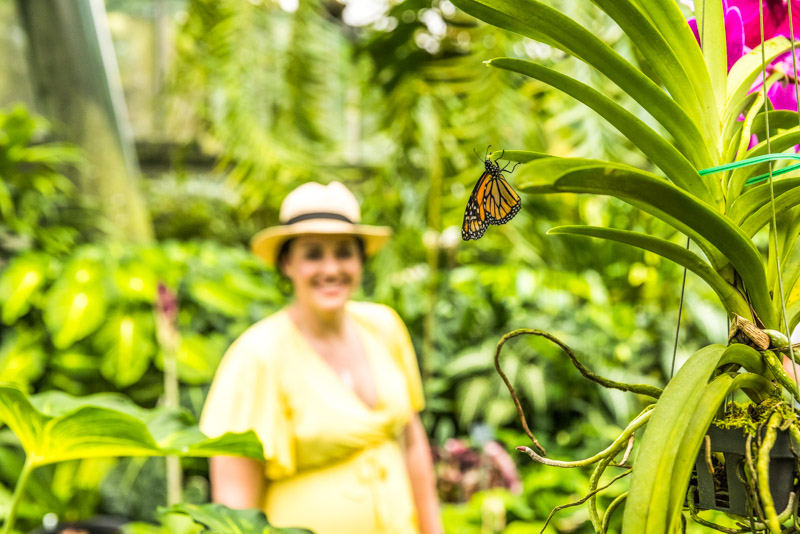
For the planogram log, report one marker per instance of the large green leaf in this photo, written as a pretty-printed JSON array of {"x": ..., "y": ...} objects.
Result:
[
  {"x": 675, "y": 432},
  {"x": 730, "y": 297},
  {"x": 661, "y": 57},
  {"x": 745, "y": 71},
  {"x": 667, "y": 17},
  {"x": 711, "y": 26},
  {"x": 647, "y": 504},
  {"x": 757, "y": 197},
  {"x": 76, "y": 304},
  {"x": 89, "y": 428},
  {"x": 197, "y": 357},
  {"x": 223, "y": 520},
  {"x": 20, "y": 282},
  {"x": 536, "y": 20},
  {"x": 777, "y": 143},
  {"x": 763, "y": 215},
  {"x": 22, "y": 356},
  {"x": 127, "y": 343},
  {"x": 704, "y": 412},
  {"x": 658, "y": 197},
  {"x": 662, "y": 153}
]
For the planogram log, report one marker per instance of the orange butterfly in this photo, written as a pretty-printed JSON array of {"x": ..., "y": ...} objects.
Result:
[{"x": 493, "y": 201}]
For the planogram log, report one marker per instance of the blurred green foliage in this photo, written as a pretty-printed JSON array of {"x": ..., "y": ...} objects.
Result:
[{"x": 395, "y": 113}]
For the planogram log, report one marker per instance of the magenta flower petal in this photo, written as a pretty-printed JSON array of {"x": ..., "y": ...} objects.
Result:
[
  {"x": 783, "y": 25},
  {"x": 734, "y": 35},
  {"x": 693, "y": 25},
  {"x": 775, "y": 13},
  {"x": 782, "y": 95}
]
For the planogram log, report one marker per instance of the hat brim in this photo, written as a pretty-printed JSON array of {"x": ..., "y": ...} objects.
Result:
[{"x": 266, "y": 243}]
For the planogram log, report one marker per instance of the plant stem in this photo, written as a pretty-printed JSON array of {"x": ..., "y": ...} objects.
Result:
[{"x": 22, "y": 481}]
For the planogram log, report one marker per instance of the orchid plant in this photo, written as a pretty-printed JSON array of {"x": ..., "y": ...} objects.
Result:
[{"x": 719, "y": 115}]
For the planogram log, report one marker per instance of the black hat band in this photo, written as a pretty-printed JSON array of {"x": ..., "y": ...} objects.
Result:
[{"x": 317, "y": 215}]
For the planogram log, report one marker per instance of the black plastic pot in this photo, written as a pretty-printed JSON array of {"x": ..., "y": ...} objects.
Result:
[
  {"x": 97, "y": 525},
  {"x": 729, "y": 494}
]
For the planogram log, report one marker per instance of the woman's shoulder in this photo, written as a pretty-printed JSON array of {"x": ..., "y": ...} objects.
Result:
[
  {"x": 262, "y": 337},
  {"x": 377, "y": 316}
]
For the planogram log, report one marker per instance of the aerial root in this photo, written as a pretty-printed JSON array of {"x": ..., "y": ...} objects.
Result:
[{"x": 642, "y": 389}]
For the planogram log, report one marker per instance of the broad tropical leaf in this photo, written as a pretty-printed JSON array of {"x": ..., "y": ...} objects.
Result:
[
  {"x": 67, "y": 428},
  {"x": 223, "y": 520}
]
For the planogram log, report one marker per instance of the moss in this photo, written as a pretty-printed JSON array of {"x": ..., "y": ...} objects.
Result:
[{"x": 749, "y": 417}]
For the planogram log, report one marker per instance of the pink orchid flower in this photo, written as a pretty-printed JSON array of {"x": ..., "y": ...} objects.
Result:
[{"x": 734, "y": 32}]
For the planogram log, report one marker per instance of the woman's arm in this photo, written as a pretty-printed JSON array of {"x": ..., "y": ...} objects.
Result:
[
  {"x": 420, "y": 470},
  {"x": 236, "y": 482}
]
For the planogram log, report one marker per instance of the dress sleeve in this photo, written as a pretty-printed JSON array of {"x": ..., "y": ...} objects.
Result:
[
  {"x": 406, "y": 358},
  {"x": 246, "y": 395}
]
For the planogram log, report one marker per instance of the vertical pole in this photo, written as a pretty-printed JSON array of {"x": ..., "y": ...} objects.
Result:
[
  {"x": 78, "y": 88},
  {"x": 432, "y": 244}
]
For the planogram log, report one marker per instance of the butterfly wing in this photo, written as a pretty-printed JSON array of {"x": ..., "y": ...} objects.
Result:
[
  {"x": 501, "y": 202},
  {"x": 475, "y": 222}
]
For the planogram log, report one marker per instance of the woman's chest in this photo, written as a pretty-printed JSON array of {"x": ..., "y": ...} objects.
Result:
[{"x": 325, "y": 408}]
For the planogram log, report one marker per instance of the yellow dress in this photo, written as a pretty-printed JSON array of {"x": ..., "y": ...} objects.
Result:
[{"x": 333, "y": 464}]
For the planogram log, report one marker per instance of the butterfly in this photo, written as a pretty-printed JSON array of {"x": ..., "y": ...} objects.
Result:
[{"x": 493, "y": 201}]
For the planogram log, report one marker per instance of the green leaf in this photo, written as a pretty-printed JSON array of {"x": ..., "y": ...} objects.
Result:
[
  {"x": 703, "y": 413},
  {"x": 745, "y": 71},
  {"x": 471, "y": 396},
  {"x": 667, "y": 17},
  {"x": 662, "y": 153},
  {"x": 136, "y": 281},
  {"x": 763, "y": 215},
  {"x": 127, "y": 344},
  {"x": 755, "y": 198},
  {"x": 88, "y": 428},
  {"x": 711, "y": 26},
  {"x": 779, "y": 119},
  {"x": 661, "y": 57},
  {"x": 729, "y": 296},
  {"x": 20, "y": 283},
  {"x": 648, "y": 501},
  {"x": 777, "y": 143},
  {"x": 197, "y": 357},
  {"x": 217, "y": 296},
  {"x": 543, "y": 23},
  {"x": 521, "y": 156},
  {"x": 22, "y": 357},
  {"x": 76, "y": 304},
  {"x": 223, "y": 520},
  {"x": 662, "y": 199}
]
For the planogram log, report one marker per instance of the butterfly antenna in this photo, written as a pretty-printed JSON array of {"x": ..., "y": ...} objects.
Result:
[
  {"x": 487, "y": 152},
  {"x": 478, "y": 155}
]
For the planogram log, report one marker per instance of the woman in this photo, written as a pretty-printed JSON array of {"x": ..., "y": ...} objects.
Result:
[{"x": 330, "y": 386}]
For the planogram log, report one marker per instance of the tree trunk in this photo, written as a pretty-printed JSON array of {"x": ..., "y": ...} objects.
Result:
[{"x": 77, "y": 86}]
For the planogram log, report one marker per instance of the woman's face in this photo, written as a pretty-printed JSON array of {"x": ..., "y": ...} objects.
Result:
[{"x": 325, "y": 270}]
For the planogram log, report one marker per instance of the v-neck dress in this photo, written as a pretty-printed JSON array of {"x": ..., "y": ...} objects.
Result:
[{"x": 334, "y": 465}]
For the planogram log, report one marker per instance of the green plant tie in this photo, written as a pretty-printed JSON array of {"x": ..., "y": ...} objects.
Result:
[{"x": 755, "y": 161}]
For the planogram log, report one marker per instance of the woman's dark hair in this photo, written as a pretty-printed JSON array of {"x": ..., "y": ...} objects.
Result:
[{"x": 284, "y": 250}]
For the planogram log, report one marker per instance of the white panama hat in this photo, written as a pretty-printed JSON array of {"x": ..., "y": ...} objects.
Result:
[{"x": 314, "y": 208}]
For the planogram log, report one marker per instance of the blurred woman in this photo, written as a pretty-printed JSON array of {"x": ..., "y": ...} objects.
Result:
[{"x": 331, "y": 387}]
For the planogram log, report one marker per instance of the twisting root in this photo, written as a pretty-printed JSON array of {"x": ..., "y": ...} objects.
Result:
[
  {"x": 611, "y": 509},
  {"x": 693, "y": 512},
  {"x": 772, "y": 522},
  {"x": 610, "y": 451},
  {"x": 783, "y": 516},
  {"x": 752, "y": 482},
  {"x": 591, "y": 494},
  {"x": 594, "y": 480},
  {"x": 709, "y": 463},
  {"x": 628, "y": 449},
  {"x": 642, "y": 389}
]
